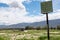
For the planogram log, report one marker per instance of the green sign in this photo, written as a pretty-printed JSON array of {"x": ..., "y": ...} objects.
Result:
[{"x": 46, "y": 7}]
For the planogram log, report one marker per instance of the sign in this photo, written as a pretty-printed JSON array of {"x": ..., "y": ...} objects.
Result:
[{"x": 46, "y": 7}]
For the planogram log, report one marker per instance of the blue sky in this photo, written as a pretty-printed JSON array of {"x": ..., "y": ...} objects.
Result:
[
  {"x": 18, "y": 11},
  {"x": 56, "y": 4},
  {"x": 34, "y": 7},
  {"x": 3, "y": 5}
]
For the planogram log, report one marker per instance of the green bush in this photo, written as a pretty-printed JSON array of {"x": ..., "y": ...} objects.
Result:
[
  {"x": 51, "y": 38},
  {"x": 4, "y": 38},
  {"x": 1, "y": 38},
  {"x": 24, "y": 39},
  {"x": 42, "y": 38}
]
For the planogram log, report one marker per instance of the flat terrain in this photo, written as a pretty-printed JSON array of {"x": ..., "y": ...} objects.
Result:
[{"x": 29, "y": 35}]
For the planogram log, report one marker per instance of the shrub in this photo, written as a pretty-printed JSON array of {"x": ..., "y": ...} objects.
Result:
[{"x": 42, "y": 38}]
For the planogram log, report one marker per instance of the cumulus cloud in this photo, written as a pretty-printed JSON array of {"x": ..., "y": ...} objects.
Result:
[
  {"x": 28, "y": 1},
  {"x": 55, "y": 15},
  {"x": 45, "y": 0},
  {"x": 10, "y": 1},
  {"x": 14, "y": 13},
  {"x": 17, "y": 14}
]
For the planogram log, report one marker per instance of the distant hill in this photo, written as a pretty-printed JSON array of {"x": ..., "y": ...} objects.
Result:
[{"x": 52, "y": 23}]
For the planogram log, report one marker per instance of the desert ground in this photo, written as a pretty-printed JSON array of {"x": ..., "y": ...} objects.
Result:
[{"x": 29, "y": 35}]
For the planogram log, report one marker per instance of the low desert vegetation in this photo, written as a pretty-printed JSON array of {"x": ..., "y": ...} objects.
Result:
[{"x": 29, "y": 35}]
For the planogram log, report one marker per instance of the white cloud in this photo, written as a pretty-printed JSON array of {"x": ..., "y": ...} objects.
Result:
[
  {"x": 14, "y": 15},
  {"x": 45, "y": 0},
  {"x": 9, "y": 1},
  {"x": 28, "y": 1},
  {"x": 52, "y": 16},
  {"x": 55, "y": 15}
]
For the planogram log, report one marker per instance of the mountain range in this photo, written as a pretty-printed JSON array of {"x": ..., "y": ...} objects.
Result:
[{"x": 52, "y": 23}]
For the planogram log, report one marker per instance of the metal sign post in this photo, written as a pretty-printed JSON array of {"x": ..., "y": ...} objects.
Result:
[
  {"x": 48, "y": 35},
  {"x": 46, "y": 7}
]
